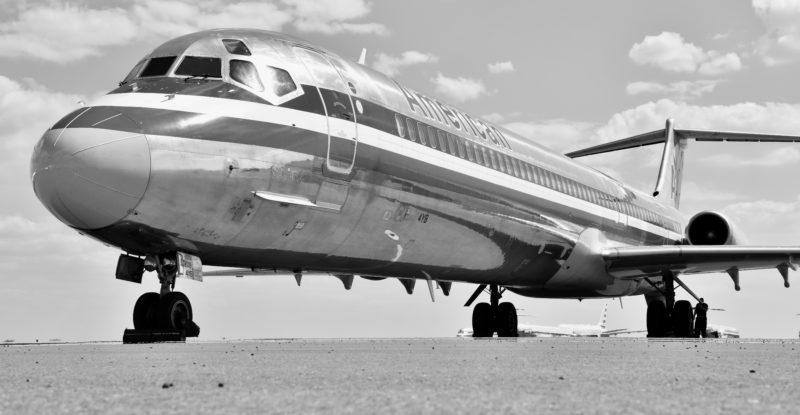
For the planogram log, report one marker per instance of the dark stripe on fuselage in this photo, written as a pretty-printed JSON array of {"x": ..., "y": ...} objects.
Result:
[
  {"x": 279, "y": 136},
  {"x": 386, "y": 120}
]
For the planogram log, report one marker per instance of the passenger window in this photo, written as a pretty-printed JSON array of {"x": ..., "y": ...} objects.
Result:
[
  {"x": 493, "y": 158},
  {"x": 135, "y": 71},
  {"x": 486, "y": 160},
  {"x": 245, "y": 73},
  {"x": 470, "y": 154},
  {"x": 236, "y": 47},
  {"x": 280, "y": 82},
  {"x": 460, "y": 144},
  {"x": 421, "y": 129},
  {"x": 158, "y": 66},
  {"x": 517, "y": 172},
  {"x": 401, "y": 126},
  {"x": 432, "y": 132},
  {"x": 206, "y": 67},
  {"x": 442, "y": 141},
  {"x": 412, "y": 131}
]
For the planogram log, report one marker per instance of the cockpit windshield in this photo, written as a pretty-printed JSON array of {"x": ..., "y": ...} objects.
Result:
[
  {"x": 207, "y": 67},
  {"x": 158, "y": 66}
]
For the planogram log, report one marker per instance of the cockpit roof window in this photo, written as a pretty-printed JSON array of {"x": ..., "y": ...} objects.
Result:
[
  {"x": 236, "y": 47},
  {"x": 245, "y": 73},
  {"x": 279, "y": 81},
  {"x": 158, "y": 66},
  {"x": 200, "y": 66}
]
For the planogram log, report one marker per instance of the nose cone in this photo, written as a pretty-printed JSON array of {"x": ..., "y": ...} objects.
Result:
[{"x": 91, "y": 177}]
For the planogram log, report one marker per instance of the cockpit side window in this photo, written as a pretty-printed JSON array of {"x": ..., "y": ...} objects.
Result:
[
  {"x": 158, "y": 66},
  {"x": 279, "y": 81},
  {"x": 200, "y": 66},
  {"x": 245, "y": 73},
  {"x": 135, "y": 71},
  {"x": 236, "y": 47}
]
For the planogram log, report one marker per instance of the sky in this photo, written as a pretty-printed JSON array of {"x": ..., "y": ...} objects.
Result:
[{"x": 565, "y": 74}]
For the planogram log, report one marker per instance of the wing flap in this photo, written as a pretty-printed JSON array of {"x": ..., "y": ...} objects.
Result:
[{"x": 640, "y": 262}]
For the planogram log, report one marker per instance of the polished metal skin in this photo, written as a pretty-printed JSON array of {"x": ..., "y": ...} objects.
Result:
[{"x": 320, "y": 179}]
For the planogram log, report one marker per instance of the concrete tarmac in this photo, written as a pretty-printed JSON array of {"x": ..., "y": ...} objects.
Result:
[{"x": 530, "y": 375}]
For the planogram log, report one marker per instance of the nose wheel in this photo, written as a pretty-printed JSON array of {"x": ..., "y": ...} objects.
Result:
[
  {"x": 171, "y": 312},
  {"x": 494, "y": 317},
  {"x": 166, "y": 314}
]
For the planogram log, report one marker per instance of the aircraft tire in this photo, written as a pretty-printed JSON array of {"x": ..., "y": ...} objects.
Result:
[
  {"x": 505, "y": 320},
  {"x": 682, "y": 319},
  {"x": 656, "y": 319},
  {"x": 175, "y": 312},
  {"x": 145, "y": 311},
  {"x": 482, "y": 320}
]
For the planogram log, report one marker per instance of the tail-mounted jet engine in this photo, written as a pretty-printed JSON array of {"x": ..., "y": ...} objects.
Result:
[{"x": 712, "y": 228}]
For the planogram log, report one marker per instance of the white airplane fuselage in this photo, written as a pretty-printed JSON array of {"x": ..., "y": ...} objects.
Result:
[{"x": 336, "y": 168}]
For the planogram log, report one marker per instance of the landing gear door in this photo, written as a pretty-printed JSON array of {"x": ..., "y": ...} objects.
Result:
[{"x": 341, "y": 116}]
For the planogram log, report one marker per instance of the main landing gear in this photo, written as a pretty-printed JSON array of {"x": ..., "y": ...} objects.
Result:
[
  {"x": 493, "y": 317},
  {"x": 667, "y": 317},
  {"x": 166, "y": 311}
]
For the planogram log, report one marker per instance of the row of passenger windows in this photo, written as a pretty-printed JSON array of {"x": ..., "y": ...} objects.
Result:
[
  {"x": 277, "y": 80},
  {"x": 455, "y": 145}
]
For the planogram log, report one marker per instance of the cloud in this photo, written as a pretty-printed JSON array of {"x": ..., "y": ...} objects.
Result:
[
  {"x": 497, "y": 117},
  {"x": 682, "y": 90},
  {"x": 332, "y": 16},
  {"x": 718, "y": 63},
  {"x": 670, "y": 52},
  {"x": 775, "y": 118},
  {"x": 391, "y": 65},
  {"x": 693, "y": 192},
  {"x": 65, "y": 32},
  {"x": 784, "y": 156},
  {"x": 501, "y": 67},
  {"x": 781, "y": 43},
  {"x": 557, "y": 134},
  {"x": 26, "y": 110},
  {"x": 458, "y": 89},
  {"x": 768, "y": 222}
]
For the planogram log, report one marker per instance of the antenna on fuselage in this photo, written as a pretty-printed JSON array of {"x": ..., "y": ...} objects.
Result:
[{"x": 363, "y": 58}]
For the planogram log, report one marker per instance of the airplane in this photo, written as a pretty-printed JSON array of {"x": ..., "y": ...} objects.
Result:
[
  {"x": 564, "y": 330},
  {"x": 262, "y": 153},
  {"x": 718, "y": 331}
]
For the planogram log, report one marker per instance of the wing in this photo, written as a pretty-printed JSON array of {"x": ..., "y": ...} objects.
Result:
[{"x": 642, "y": 262}]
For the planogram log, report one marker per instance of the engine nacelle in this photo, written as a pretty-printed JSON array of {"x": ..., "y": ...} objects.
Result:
[{"x": 712, "y": 228}]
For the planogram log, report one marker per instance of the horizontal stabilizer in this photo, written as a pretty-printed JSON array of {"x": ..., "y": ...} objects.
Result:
[
  {"x": 670, "y": 173},
  {"x": 659, "y": 136}
]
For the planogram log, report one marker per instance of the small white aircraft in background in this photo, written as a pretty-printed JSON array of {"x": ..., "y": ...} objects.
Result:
[
  {"x": 565, "y": 330},
  {"x": 721, "y": 332}
]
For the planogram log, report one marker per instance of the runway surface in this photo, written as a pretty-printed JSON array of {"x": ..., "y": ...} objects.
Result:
[{"x": 528, "y": 375}]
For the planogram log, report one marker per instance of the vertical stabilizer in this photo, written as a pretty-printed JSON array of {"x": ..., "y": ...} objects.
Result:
[
  {"x": 671, "y": 172},
  {"x": 603, "y": 317}
]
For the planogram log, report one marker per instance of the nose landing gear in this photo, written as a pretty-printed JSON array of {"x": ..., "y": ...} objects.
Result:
[{"x": 164, "y": 316}]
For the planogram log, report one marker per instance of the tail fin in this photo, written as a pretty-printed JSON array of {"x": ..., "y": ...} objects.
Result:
[
  {"x": 603, "y": 317},
  {"x": 671, "y": 170},
  {"x": 671, "y": 166}
]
